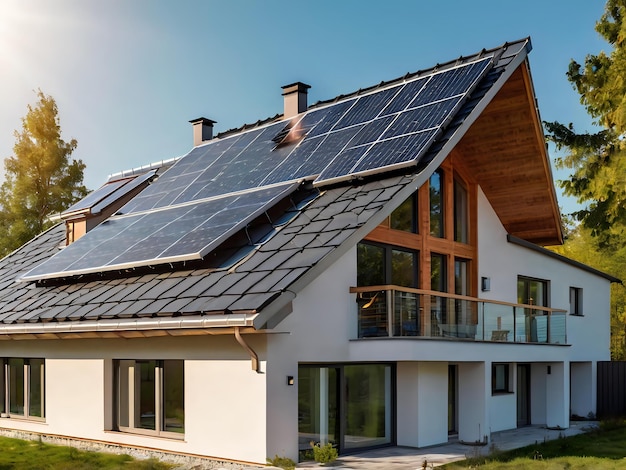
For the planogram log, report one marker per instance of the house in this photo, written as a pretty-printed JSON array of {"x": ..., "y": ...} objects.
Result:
[{"x": 366, "y": 271}]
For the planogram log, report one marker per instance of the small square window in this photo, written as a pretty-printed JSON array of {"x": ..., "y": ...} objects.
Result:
[
  {"x": 500, "y": 378},
  {"x": 575, "y": 301}
]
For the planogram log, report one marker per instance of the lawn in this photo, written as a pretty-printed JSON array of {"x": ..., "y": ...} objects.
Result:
[
  {"x": 33, "y": 455},
  {"x": 601, "y": 449}
]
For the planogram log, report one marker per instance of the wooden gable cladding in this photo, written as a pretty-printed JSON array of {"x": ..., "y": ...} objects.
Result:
[{"x": 505, "y": 152}]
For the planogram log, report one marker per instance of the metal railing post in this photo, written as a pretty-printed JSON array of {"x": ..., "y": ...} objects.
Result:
[{"x": 390, "y": 311}]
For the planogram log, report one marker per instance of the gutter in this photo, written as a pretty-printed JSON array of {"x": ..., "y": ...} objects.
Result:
[
  {"x": 254, "y": 357},
  {"x": 137, "y": 324}
]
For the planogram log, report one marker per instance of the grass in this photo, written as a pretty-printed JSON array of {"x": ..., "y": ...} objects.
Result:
[
  {"x": 34, "y": 455},
  {"x": 604, "y": 448}
]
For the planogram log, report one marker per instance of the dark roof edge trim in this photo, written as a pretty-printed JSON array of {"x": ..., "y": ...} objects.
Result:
[{"x": 551, "y": 254}]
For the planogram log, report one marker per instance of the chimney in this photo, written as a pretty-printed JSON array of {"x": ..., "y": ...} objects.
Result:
[
  {"x": 295, "y": 99},
  {"x": 202, "y": 130}
]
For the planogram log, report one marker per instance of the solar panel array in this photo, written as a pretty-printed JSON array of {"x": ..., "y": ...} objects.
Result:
[
  {"x": 372, "y": 132},
  {"x": 191, "y": 208},
  {"x": 167, "y": 235}
]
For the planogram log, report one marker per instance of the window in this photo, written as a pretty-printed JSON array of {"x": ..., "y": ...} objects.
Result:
[
  {"x": 150, "y": 397},
  {"x": 461, "y": 211},
  {"x": 379, "y": 265},
  {"x": 385, "y": 264},
  {"x": 23, "y": 382},
  {"x": 405, "y": 217},
  {"x": 575, "y": 301},
  {"x": 436, "y": 200},
  {"x": 438, "y": 272},
  {"x": 500, "y": 378},
  {"x": 461, "y": 277},
  {"x": 532, "y": 291}
]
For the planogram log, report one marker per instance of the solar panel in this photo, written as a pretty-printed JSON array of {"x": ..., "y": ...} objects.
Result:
[
  {"x": 167, "y": 235},
  {"x": 405, "y": 138},
  {"x": 109, "y": 193},
  {"x": 366, "y": 108},
  {"x": 123, "y": 191},
  {"x": 96, "y": 196}
]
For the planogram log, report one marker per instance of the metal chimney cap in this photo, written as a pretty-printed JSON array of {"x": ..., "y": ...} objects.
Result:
[
  {"x": 203, "y": 120},
  {"x": 295, "y": 87}
]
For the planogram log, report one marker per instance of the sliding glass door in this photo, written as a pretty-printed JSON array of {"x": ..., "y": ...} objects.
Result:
[
  {"x": 350, "y": 406},
  {"x": 317, "y": 406}
]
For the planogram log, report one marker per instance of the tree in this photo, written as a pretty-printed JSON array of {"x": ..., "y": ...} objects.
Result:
[
  {"x": 598, "y": 160},
  {"x": 41, "y": 177}
]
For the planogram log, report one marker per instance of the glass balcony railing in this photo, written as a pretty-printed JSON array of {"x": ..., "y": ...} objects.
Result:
[{"x": 392, "y": 311}]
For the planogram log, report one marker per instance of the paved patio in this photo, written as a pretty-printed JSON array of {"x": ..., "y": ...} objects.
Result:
[{"x": 408, "y": 458}]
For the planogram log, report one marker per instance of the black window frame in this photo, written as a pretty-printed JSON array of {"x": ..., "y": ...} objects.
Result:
[
  {"x": 388, "y": 250},
  {"x": 576, "y": 301},
  {"x": 503, "y": 370}
]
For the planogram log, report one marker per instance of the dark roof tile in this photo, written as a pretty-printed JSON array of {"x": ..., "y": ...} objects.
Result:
[
  {"x": 217, "y": 304},
  {"x": 252, "y": 301},
  {"x": 175, "y": 306},
  {"x": 290, "y": 278}
]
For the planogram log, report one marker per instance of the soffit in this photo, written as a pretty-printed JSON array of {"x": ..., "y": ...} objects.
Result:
[{"x": 505, "y": 151}]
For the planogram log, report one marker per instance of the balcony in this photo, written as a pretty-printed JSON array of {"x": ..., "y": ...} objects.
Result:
[{"x": 392, "y": 311}]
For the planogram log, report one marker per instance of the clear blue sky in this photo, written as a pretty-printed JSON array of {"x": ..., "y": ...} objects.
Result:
[{"x": 128, "y": 75}]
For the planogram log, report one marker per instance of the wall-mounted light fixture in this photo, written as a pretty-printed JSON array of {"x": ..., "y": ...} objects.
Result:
[
  {"x": 485, "y": 284},
  {"x": 290, "y": 380}
]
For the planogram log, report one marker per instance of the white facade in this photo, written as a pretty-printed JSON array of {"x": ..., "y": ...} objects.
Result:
[{"x": 233, "y": 412}]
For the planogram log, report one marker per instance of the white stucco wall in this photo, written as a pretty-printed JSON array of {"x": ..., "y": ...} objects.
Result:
[
  {"x": 583, "y": 377},
  {"x": 473, "y": 390},
  {"x": 502, "y": 262},
  {"x": 432, "y": 403},
  {"x": 224, "y": 398},
  {"x": 502, "y": 411}
]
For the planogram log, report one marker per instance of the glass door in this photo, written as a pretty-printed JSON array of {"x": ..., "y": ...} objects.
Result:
[
  {"x": 452, "y": 399},
  {"x": 367, "y": 405},
  {"x": 349, "y": 406},
  {"x": 534, "y": 327},
  {"x": 318, "y": 406},
  {"x": 523, "y": 394}
]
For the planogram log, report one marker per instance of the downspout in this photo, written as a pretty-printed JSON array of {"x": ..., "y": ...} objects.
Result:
[{"x": 253, "y": 355}]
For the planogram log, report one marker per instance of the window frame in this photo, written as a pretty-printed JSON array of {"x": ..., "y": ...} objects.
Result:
[
  {"x": 440, "y": 216},
  {"x": 451, "y": 172},
  {"x": 413, "y": 201},
  {"x": 576, "y": 301},
  {"x": 461, "y": 216},
  {"x": 527, "y": 282},
  {"x": 500, "y": 370},
  {"x": 26, "y": 389},
  {"x": 126, "y": 400},
  {"x": 388, "y": 251}
]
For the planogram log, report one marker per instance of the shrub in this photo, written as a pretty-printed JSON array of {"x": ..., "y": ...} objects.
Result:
[
  {"x": 324, "y": 453},
  {"x": 282, "y": 462}
]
